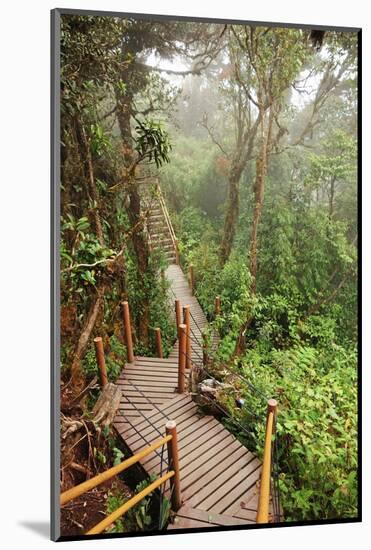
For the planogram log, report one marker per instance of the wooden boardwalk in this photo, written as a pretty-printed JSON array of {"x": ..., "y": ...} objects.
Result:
[{"x": 218, "y": 475}]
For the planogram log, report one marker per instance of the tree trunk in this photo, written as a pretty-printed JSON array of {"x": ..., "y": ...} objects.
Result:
[
  {"x": 77, "y": 375},
  {"x": 261, "y": 170},
  {"x": 231, "y": 215},
  {"x": 331, "y": 198},
  {"x": 258, "y": 204},
  {"x": 139, "y": 240},
  {"x": 242, "y": 156},
  {"x": 141, "y": 249},
  {"x": 329, "y": 298},
  {"x": 87, "y": 163}
]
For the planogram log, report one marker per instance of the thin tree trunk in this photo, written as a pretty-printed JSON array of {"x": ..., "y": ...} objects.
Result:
[
  {"x": 87, "y": 163},
  {"x": 233, "y": 201},
  {"x": 141, "y": 249},
  {"x": 77, "y": 376},
  {"x": 231, "y": 215},
  {"x": 261, "y": 170},
  {"x": 329, "y": 298},
  {"x": 331, "y": 198}
]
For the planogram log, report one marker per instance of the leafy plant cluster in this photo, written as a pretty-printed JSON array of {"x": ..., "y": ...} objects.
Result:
[{"x": 148, "y": 514}]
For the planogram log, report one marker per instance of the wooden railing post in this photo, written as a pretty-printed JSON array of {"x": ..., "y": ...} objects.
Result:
[
  {"x": 172, "y": 450},
  {"x": 205, "y": 356},
  {"x": 217, "y": 305},
  {"x": 182, "y": 357},
  {"x": 158, "y": 342},
  {"x": 99, "y": 353},
  {"x": 177, "y": 260},
  {"x": 191, "y": 279},
  {"x": 178, "y": 314},
  {"x": 265, "y": 480},
  {"x": 187, "y": 322},
  {"x": 128, "y": 336}
]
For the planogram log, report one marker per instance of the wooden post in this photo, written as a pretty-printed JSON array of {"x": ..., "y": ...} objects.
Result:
[
  {"x": 205, "y": 356},
  {"x": 187, "y": 322},
  {"x": 182, "y": 331},
  {"x": 178, "y": 314},
  {"x": 172, "y": 451},
  {"x": 192, "y": 279},
  {"x": 128, "y": 336},
  {"x": 217, "y": 305},
  {"x": 272, "y": 407},
  {"x": 177, "y": 261},
  {"x": 158, "y": 342},
  {"x": 99, "y": 353},
  {"x": 265, "y": 479}
]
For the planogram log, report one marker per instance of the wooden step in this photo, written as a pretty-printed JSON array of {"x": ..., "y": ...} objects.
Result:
[
  {"x": 188, "y": 518},
  {"x": 161, "y": 239},
  {"x": 164, "y": 247}
]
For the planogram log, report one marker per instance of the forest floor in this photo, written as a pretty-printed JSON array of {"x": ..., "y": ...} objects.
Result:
[
  {"x": 84, "y": 512},
  {"x": 79, "y": 462}
]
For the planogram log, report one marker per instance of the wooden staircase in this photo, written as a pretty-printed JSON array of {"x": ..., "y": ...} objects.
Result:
[{"x": 160, "y": 231}]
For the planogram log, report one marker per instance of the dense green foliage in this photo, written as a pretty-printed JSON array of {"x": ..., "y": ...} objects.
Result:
[{"x": 149, "y": 514}]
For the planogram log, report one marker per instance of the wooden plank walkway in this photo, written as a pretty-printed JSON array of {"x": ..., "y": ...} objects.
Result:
[
  {"x": 218, "y": 475},
  {"x": 180, "y": 289}
]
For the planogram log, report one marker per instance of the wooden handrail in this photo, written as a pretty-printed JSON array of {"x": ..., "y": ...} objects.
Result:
[
  {"x": 167, "y": 219},
  {"x": 106, "y": 522},
  {"x": 265, "y": 480},
  {"x": 108, "y": 474}
]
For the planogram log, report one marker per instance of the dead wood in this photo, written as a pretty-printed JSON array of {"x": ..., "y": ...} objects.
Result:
[{"x": 105, "y": 409}]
